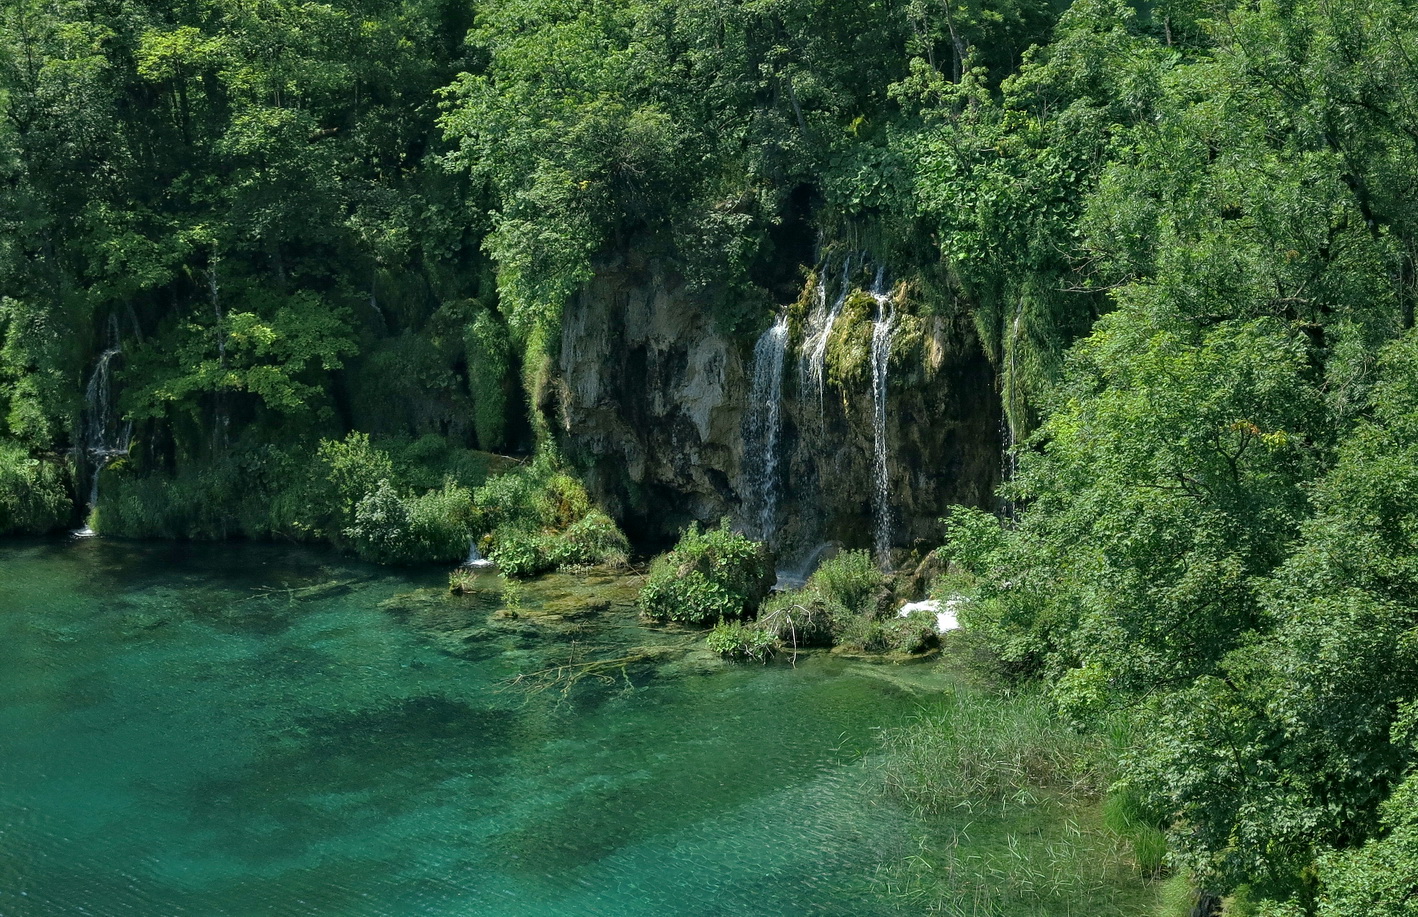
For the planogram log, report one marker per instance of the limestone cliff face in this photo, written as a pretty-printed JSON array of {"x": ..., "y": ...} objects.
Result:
[{"x": 652, "y": 399}]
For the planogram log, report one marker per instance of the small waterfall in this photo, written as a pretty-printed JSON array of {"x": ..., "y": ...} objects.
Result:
[
  {"x": 811, "y": 364},
  {"x": 475, "y": 560},
  {"x": 1009, "y": 386},
  {"x": 763, "y": 425},
  {"x": 882, "y": 330},
  {"x": 104, "y": 435}
]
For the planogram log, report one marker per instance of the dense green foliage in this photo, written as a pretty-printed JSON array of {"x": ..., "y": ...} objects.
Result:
[
  {"x": 1213, "y": 520},
  {"x": 33, "y": 495},
  {"x": 539, "y": 518},
  {"x": 333, "y": 243},
  {"x": 710, "y": 575},
  {"x": 847, "y": 602}
]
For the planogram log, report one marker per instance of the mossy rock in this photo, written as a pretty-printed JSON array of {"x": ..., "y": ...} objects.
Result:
[{"x": 848, "y": 354}]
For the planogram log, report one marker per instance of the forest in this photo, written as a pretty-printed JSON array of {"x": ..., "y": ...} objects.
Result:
[{"x": 298, "y": 270}]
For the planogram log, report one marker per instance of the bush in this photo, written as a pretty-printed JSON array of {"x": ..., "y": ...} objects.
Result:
[
  {"x": 518, "y": 552},
  {"x": 915, "y": 633},
  {"x": 538, "y": 518},
  {"x": 803, "y": 618},
  {"x": 352, "y": 469},
  {"x": 736, "y": 640},
  {"x": 391, "y": 529},
  {"x": 33, "y": 495},
  {"x": 708, "y": 576},
  {"x": 195, "y": 503},
  {"x": 851, "y": 580},
  {"x": 593, "y": 539}
]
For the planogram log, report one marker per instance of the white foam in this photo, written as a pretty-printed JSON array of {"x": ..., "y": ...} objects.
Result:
[{"x": 945, "y": 612}]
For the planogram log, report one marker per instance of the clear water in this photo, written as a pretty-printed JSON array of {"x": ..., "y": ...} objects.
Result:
[{"x": 270, "y": 731}]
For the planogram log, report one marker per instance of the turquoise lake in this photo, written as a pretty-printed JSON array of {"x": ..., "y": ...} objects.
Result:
[{"x": 254, "y": 730}]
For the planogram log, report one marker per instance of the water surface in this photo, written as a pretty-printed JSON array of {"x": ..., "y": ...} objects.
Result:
[{"x": 243, "y": 730}]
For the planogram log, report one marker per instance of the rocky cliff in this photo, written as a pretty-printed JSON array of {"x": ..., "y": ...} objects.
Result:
[{"x": 652, "y": 400}]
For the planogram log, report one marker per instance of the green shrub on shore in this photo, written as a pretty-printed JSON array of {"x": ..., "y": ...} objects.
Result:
[
  {"x": 539, "y": 517},
  {"x": 431, "y": 528},
  {"x": 710, "y": 575},
  {"x": 847, "y": 602},
  {"x": 33, "y": 495},
  {"x": 737, "y": 640},
  {"x": 799, "y": 619},
  {"x": 849, "y": 579}
]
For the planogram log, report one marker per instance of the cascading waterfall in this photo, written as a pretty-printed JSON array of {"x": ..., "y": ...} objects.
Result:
[
  {"x": 811, "y": 363},
  {"x": 763, "y": 426},
  {"x": 882, "y": 330},
  {"x": 105, "y": 437}
]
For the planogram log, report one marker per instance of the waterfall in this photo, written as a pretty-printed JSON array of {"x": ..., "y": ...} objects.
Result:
[
  {"x": 762, "y": 427},
  {"x": 104, "y": 436},
  {"x": 819, "y": 330},
  {"x": 1009, "y": 385},
  {"x": 475, "y": 560},
  {"x": 882, "y": 330}
]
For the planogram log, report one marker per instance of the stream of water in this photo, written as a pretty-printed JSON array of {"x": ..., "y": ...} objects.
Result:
[{"x": 763, "y": 428}]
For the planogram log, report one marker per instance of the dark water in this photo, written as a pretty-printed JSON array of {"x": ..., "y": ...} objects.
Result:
[{"x": 256, "y": 730}]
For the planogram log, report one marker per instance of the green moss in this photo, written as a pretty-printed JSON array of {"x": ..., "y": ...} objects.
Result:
[{"x": 848, "y": 354}]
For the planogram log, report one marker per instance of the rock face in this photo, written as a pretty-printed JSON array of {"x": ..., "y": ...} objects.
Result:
[{"x": 652, "y": 399}]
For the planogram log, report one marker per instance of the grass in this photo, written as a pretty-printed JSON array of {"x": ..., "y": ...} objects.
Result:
[
  {"x": 981, "y": 751},
  {"x": 1009, "y": 800}
]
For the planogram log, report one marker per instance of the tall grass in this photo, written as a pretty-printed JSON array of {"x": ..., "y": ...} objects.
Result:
[
  {"x": 1010, "y": 797},
  {"x": 1068, "y": 868},
  {"x": 978, "y": 751}
]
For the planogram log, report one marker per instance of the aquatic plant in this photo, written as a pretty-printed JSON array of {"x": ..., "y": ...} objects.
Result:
[{"x": 737, "y": 640}]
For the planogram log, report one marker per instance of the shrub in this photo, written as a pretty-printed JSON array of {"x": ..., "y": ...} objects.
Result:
[
  {"x": 33, "y": 495},
  {"x": 593, "y": 539},
  {"x": 736, "y": 640},
  {"x": 851, "y": 580},
  {"x": 353, "y": 470},
  {"x": 462, "y": 581},
  {"x": 708, "y": 575},
  {"x": 801, "y": 618},
  {"x": 391, "y": 529},
  {"x": 518, "y": 552},
  {"x": 439, "y": 524},
  {"x": 915, "y": 633},
  {"x": 862, "y": 633},
  {"x": 538, "y": 518},
  {"x": 195, "y": 503}
]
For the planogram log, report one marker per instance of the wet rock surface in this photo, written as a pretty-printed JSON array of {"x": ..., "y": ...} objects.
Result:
[{"x": 651, "y": 399}]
